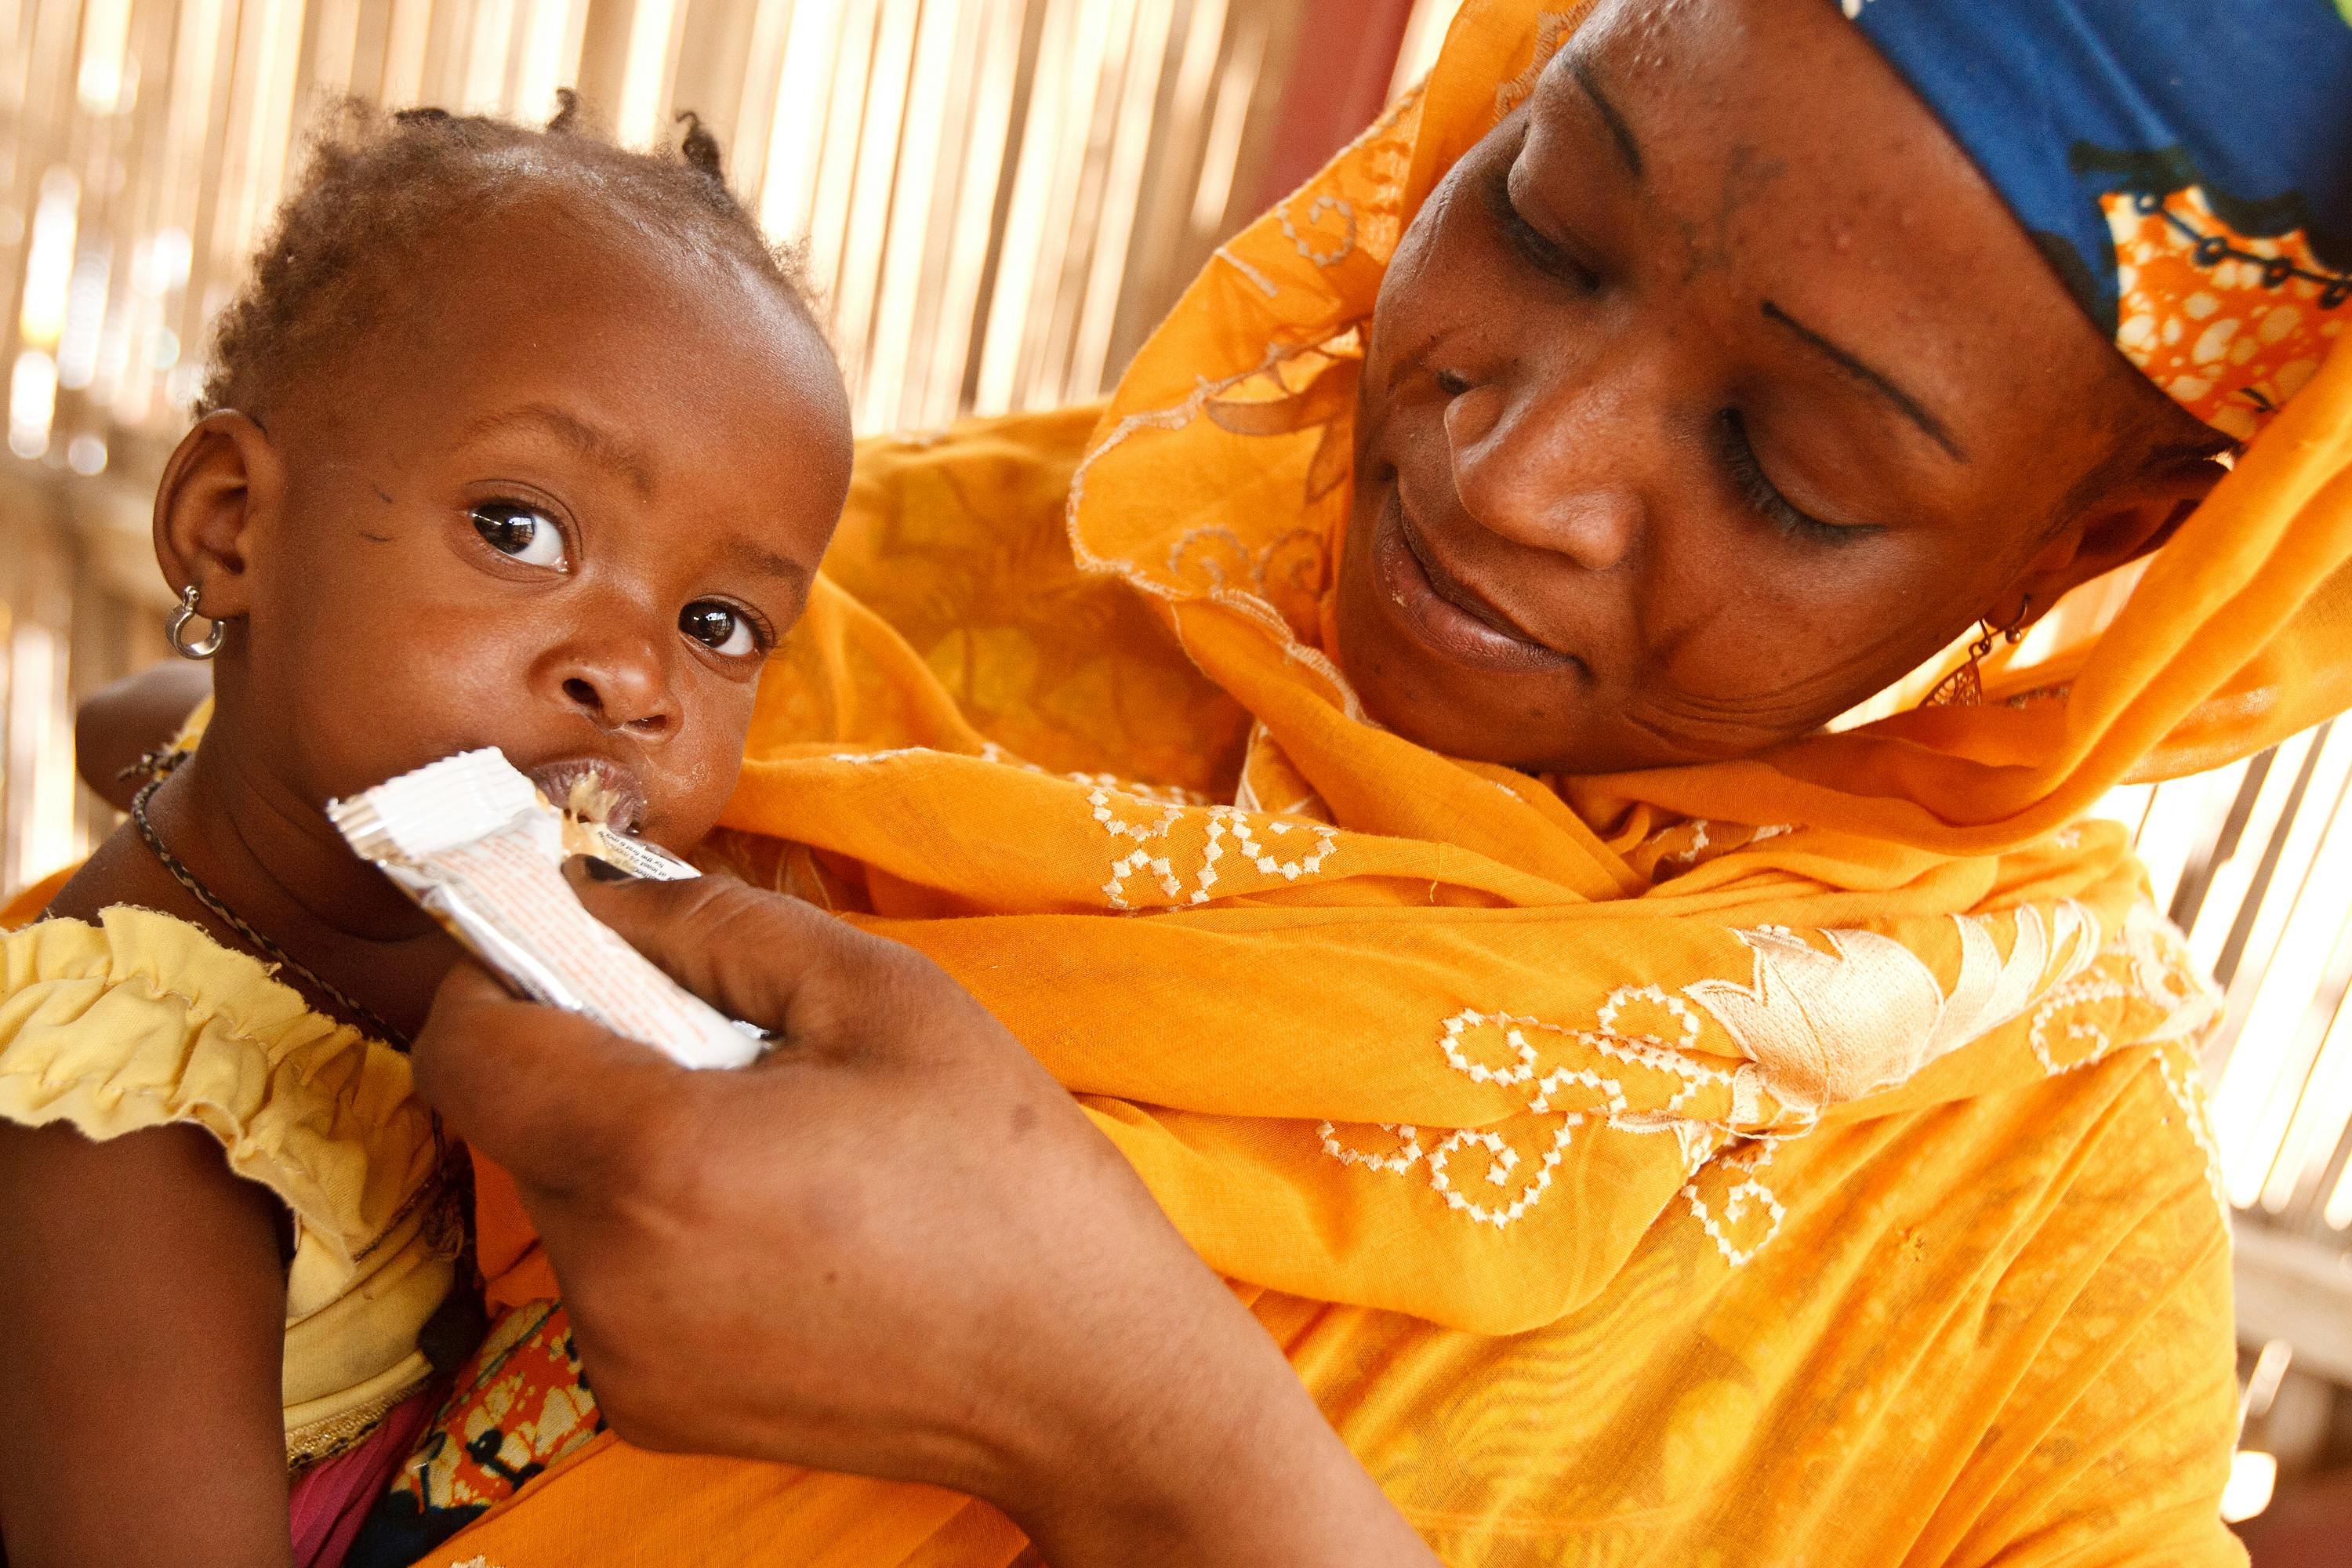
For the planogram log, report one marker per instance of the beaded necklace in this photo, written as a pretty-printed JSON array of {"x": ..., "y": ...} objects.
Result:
[{"x": 161, "y": 766}]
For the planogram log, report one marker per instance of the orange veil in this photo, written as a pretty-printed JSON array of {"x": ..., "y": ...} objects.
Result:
[{"x": 1449, "y": 1065}]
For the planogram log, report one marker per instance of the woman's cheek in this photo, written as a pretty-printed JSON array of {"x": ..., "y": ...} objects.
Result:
[{"x": 1440, "y": 270}]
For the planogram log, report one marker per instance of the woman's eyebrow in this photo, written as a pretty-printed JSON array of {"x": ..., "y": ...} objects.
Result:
[
  {"x": 1908, "y": 405},
  {"x": 1619, "y": 132}
]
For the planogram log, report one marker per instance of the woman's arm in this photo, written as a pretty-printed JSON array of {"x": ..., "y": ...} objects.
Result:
[
  {"x": 118, "y": 724},
  {"x": 895, "y": 1248},
  {"x": 143, "y": 1305}
]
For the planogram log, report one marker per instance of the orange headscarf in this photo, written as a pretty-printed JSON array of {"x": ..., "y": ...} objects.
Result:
[
  {"x": 1794, "y": 1157},
  {"x": 1613, "y": 978}
]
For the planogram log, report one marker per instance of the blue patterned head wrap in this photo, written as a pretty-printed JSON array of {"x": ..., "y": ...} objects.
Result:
[{"x": 2185, "y": 165}]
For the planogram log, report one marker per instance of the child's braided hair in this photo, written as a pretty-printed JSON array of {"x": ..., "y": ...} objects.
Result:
[{"x": 379, "y": 189}]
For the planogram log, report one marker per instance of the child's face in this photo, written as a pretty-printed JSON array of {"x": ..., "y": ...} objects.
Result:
[
  {"x": 1711, "y": 392},
  {"x": 565, "y": 510}
]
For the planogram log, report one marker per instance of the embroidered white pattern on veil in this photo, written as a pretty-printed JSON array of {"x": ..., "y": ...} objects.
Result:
[
  {"x": 1825, "y": 1018},
  {"x": 1826, "y": 1027}
]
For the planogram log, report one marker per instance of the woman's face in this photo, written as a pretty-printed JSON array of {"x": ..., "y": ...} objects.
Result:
[{"x": 1712, "y": 392}]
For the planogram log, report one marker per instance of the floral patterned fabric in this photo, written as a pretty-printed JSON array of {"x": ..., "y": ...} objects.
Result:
[{"x": 521, "y": 1404}]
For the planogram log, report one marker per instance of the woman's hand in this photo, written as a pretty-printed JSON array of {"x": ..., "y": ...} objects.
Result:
[{"x": 895, "y": 1246}]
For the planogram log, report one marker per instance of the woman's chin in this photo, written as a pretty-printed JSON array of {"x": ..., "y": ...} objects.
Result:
[
  {"x": 1402, "y": 700},
  {"x": 1406, "y": 704},
  {"x": 1431, "y": 700}
]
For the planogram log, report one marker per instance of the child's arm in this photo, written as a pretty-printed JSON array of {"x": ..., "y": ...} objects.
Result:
[{"x": 142, "y": 1312}]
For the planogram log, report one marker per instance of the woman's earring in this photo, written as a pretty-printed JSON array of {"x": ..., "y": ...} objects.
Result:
[
  {"x": 2014, "y": 633},
  {"x": 1964, "y": 688},
  {"x": 176, "y": 628}
]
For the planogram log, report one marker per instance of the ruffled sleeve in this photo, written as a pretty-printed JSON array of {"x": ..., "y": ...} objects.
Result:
[{"x": 141, "y": 1021}]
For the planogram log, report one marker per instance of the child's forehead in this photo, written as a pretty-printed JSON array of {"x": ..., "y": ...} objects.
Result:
[
  {"x": 535, "y": 326},
  {"x": 546, "y": 280},
  {"x": 556, "y": 231}
]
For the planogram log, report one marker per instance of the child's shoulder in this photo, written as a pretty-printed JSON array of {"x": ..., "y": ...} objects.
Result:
[
  {"x": 119, "y": 915},
  {"x": 95, "y": 989},
  {"x": 118, "y": 871},
  {"x": 117, "y": 993},
  {"x": 121, "y": 907},
  {"x": 132, "y": 1017},
  {"x": 118, "y": 1019}
]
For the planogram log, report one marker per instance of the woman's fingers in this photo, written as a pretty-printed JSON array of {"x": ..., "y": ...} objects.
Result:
[
  {"x": 140, "y": 713},
  {"x": 562, "y": 1102},
  {"x": 902, "y": 1250},
  {"x": 750, "y": 954},
  {"x": 557, "y": 1100}
]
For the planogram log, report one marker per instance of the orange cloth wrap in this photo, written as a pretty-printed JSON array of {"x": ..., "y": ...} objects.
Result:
[{"x": 1799, "y": 1159}]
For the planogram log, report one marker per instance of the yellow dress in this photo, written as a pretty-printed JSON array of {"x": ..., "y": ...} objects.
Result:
[{"x": 142, "y": 1020}]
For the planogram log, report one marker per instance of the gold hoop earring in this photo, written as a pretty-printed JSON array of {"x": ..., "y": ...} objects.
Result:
[
  {"x": 1964, "y": 688},
  {"x": 176, "y": 628}
]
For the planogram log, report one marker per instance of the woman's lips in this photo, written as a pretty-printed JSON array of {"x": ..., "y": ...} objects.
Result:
[
  {"x": 614, "y": 789},
  {"x": 1442, "y": 612}
]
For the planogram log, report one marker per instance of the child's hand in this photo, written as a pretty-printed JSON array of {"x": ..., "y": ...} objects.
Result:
[
  {"x": 118, "y": 724},
  {"x": 895, "y": 1246}
]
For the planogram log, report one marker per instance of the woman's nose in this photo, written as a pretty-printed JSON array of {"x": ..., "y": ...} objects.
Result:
[
  {"x": 619, "y": 684},
  {"x": 1546, "y": 469}
]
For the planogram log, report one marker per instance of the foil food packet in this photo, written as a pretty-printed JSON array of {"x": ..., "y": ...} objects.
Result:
[{"x": 476, "y": 844}]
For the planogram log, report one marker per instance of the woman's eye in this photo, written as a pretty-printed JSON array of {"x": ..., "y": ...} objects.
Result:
[
  {"x": 719, "y": 628},
  {"x": 1764, "y": 497},
  {"x": 1531, "y": 243},
  {"x": 528, "y": 535}
]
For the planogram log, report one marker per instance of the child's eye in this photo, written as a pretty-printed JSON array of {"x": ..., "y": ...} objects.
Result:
[
  {"x": 528, "y": 534},
  {"x": 721, "y": 628}
]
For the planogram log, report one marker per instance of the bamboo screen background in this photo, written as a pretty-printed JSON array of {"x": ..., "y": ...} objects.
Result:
[{"x": 1000, "y": 197}]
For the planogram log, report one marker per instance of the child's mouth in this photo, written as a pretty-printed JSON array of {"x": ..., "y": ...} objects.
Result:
[{"x": 594, "y": 790}]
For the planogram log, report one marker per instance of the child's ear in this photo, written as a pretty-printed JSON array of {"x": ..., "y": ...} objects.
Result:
[
  {"x": 223, "y": 476},
  {"x": 2120, "y": 527}
]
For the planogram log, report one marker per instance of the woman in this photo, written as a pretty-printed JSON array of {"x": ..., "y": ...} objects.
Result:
[{"x": 1790, "y": 1154}]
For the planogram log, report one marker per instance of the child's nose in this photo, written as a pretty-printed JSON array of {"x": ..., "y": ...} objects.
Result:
[{"x": 620, "y": 690}]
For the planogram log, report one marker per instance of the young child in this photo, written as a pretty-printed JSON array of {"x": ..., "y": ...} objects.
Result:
[{"x": 514, "y": 439}]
